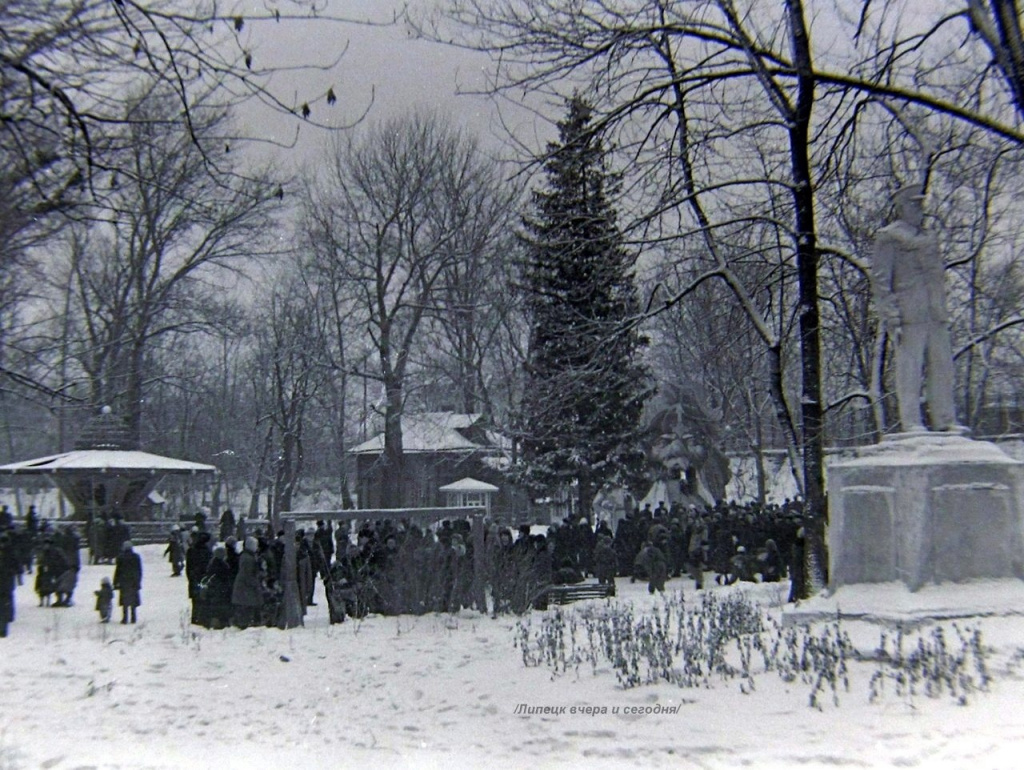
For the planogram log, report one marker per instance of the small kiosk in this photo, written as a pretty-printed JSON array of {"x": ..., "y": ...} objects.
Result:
[{"x": 469, "y": 493}]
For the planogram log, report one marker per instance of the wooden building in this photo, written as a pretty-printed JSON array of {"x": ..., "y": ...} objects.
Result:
[{"x": 440, "y": 448}]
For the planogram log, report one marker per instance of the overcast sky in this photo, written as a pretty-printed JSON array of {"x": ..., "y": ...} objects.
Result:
[{"x": 387, "y": 65}]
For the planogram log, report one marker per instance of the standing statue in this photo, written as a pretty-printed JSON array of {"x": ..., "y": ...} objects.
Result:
[{"x": 909, "y": 289}]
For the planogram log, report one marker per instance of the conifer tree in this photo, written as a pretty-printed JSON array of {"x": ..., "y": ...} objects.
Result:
[{"x": 579, "y": 420}]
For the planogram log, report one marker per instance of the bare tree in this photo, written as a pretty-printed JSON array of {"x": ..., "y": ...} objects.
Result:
[
  {"x": 394, "y": 214},
  {"x": 67, "y": 65},
  {"x": 638, "y": 58},
  {"x": 287, "y": 369},
  {"x": 475, "y": 300},
  {"x": 146, "y": 266},
  {"x": 71, "y": 72}
]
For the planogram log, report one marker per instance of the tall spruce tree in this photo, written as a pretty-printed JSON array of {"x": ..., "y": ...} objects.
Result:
[{"x": 579, "y": 420}]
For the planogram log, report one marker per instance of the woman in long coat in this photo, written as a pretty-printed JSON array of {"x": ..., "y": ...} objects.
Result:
[
  {"x": 197, "y": 559},
  {"x": 219, "y": 583},
  {"x": 246, "y": 598},
  {"x": 128, "y": 581}
]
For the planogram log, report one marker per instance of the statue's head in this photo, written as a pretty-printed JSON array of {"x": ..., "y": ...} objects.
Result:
[{"x": 908, "y": 201}]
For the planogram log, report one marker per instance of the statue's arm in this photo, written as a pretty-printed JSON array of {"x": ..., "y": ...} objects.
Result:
[{"x": 882, "y": 261}]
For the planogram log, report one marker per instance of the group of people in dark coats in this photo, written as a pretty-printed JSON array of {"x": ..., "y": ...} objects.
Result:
[
  {"x": 105, "y": 538},
  {"x": 58, "y": 563},
  {"x": 18, "y": 545},
  {"x": 239, "y": 581},
  {"x": 53, "y": 554},
  {"x": 404, "y": 568},
  {"x": 734, "y": 541},
  {"x": 398, "y": 567}
]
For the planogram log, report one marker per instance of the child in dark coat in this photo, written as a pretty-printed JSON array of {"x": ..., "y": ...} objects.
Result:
[{"x": 105, "y": 600}]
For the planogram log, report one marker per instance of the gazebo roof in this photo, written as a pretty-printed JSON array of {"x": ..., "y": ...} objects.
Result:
[
  {"x": 469, "y": 485},
  {"x": 105, "y": 446},
  {"x": 109, "y": 460}
]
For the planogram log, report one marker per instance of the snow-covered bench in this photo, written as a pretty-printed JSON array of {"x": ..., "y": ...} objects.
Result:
[{"x": 566, "y": 594}]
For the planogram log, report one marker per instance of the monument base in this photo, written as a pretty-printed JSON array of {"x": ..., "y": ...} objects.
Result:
[
  {"x": 925, "y": 508},
  {"x": 894, "y": 605}
]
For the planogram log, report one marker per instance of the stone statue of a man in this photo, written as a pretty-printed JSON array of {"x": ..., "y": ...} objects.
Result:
[{"x": 910, "y": 295}]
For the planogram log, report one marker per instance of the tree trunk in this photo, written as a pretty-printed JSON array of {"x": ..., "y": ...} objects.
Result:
[
  {"x": 479, "y": 565},
  {"x": 393, "y": 488},
  {"x": 134, "y": 394},
  {"x": 877, "y": 388},
  {"x": 215, "y": 500},
  {"x": 783, "y": 416},
  {"x": 283, "y": 474},
  {"x": 815, "y": 514},
  {"x": 261, "y": 468}
]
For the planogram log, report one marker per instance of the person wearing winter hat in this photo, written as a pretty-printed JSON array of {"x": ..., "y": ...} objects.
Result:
[
  {"x": 105, "y": 599},
  {"x": 217, "y": 586},
  {"x": 128, "y": 581},
  {"x": 246, "y": 598},
  {"x": 197, "y": 559}
]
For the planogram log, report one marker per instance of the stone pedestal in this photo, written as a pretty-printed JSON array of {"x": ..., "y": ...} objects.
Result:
[{"x": 923, "y": 508}]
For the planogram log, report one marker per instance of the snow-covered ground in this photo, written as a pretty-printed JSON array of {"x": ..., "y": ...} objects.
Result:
[{"x": 441, "y": 691}]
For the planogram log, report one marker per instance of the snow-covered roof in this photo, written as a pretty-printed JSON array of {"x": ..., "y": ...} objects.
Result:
[
  {"x": 105, "y": 460},
  {"x": 469, "y": 485},
  {"x": 429, "y": 432}
]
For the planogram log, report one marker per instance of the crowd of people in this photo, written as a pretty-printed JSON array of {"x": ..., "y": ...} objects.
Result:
[
  {"x": 383, "y": 568},
  {"x": 733, "y": 541},
  {"x": 400, "y": 567},
  {"x": 53, "y": 552},
  {"x": 231, "y": 581}
]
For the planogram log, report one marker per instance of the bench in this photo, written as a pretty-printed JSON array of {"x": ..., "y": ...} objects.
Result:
[{"x": 566, "y": 594}]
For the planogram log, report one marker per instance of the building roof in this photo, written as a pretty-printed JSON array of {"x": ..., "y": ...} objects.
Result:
[
  {"x": 469, "y": 485},
  {"x": 434, "y": 432},
  {"x": 105, "y": 460}
]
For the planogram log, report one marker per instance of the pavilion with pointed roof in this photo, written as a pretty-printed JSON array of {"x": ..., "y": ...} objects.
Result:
[{"x": 106, "y": 474}]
